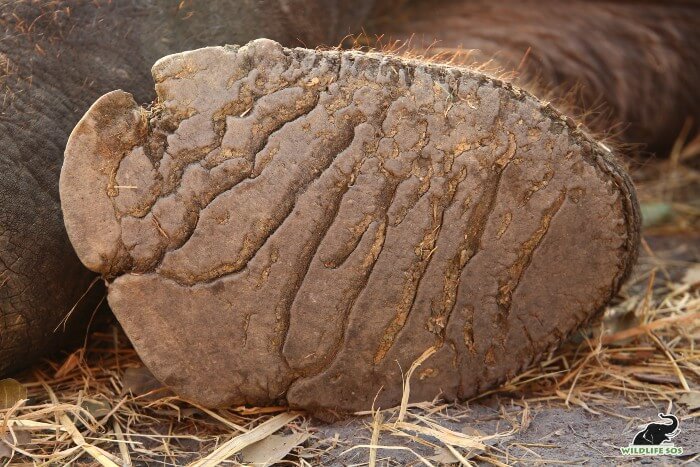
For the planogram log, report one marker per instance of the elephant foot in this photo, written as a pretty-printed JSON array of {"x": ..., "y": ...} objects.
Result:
[{"x": 296, "y": 225}]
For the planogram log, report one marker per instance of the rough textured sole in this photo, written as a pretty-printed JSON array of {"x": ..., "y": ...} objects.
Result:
[{"x": 301, "y": 225}]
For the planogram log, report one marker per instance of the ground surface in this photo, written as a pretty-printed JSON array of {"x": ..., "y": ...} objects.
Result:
[
  {"x": 585, "y": 400},
  {"x": 554, "y": 435}
]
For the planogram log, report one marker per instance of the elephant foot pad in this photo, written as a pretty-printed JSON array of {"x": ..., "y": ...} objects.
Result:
[{"x": 291, "y": 225}]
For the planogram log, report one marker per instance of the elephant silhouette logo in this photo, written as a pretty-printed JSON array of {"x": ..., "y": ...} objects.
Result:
[{"x": 657, "y": 433}]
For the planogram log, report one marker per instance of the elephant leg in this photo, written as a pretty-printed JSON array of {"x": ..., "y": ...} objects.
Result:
[
  {"x": 630, "y": 68},
  {"x": 40, "y": 278},
  {"x": 56, "y": 58}
]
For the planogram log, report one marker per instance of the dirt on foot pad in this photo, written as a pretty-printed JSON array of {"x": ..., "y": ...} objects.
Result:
[{"x": 296, "y": 225}]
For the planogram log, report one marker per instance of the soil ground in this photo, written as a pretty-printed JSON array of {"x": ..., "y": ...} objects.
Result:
[{"x": 554, "y": 435}]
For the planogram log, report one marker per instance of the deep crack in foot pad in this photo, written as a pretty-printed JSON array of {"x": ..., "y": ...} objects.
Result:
[{"x": 298, "y": 225}]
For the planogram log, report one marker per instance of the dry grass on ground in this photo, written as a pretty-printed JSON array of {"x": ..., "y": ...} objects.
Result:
[{"x": 99, "y": 405}]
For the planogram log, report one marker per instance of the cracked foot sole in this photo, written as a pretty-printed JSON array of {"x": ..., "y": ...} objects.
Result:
[{"x": 290, "y": 224}]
